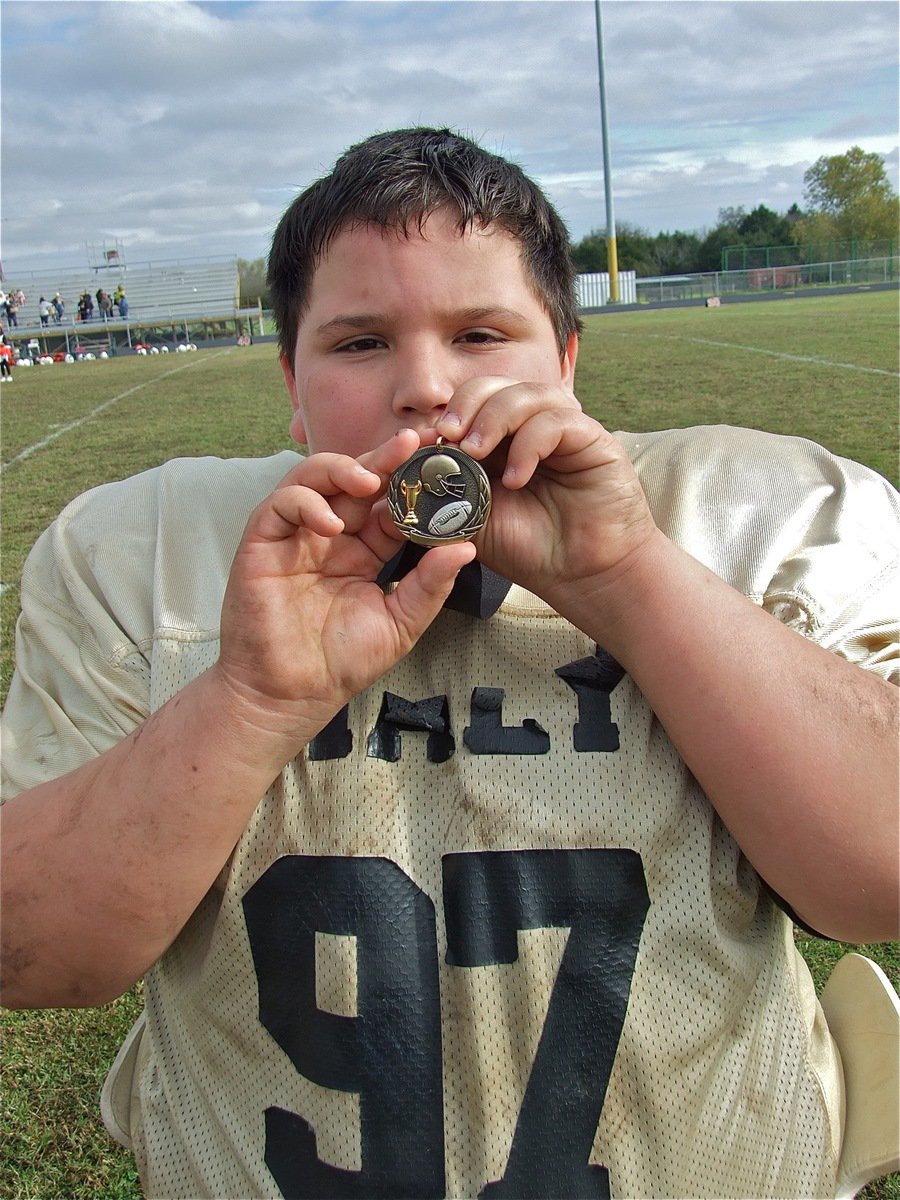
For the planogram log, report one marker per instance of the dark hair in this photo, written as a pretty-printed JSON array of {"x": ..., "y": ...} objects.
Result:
[{"x": 394, "y": 181}]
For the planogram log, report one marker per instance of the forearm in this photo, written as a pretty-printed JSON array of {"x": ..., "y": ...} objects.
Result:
[
  {"x": 103, "y": 866},
  {"x": 795, "y": 747}
]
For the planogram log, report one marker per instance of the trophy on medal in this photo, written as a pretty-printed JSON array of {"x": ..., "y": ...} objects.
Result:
[{"x": 410, "y": 492}]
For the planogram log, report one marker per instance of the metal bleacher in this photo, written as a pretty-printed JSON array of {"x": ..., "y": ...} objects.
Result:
[{"x": 162, "y": 294}]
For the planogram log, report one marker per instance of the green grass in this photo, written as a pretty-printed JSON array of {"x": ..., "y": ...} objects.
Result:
[
  {"x": 751, "y": 365},
  {"x": 742, "y": 364},
  {"x": 54, "y": 1144}
]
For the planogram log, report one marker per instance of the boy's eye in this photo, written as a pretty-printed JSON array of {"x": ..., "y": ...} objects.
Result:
[
  {"x": 359, "y": 345},
  {"x": 482, "y": 337}
]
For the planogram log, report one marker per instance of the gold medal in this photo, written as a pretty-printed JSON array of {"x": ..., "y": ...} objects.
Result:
[{"x": 439, "y": 495}]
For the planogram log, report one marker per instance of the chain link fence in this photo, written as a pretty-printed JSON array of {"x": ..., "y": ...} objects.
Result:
[{"x": 774, "y": 278}]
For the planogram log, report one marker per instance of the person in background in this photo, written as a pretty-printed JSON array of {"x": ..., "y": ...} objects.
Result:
[{"x": 7, "y": 358}]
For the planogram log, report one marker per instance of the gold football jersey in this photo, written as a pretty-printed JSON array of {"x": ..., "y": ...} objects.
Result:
[{"x": 486, "y": 936}]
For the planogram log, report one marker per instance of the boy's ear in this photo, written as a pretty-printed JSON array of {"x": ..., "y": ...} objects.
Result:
[
  {"x": 298, "y": 429},
  {"x": 568, "y": 360}
]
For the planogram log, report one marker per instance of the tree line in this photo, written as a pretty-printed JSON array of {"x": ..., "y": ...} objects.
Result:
[{"x": 846, "y": 197}]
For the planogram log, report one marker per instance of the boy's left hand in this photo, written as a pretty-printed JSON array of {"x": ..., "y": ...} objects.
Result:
[{"x": 568, "y": 510}]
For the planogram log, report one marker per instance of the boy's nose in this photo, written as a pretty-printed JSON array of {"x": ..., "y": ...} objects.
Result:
[{"x": 423, "y": 386}]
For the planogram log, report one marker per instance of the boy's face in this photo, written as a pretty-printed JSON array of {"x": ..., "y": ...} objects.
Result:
[{"x": 395, "y": 325}]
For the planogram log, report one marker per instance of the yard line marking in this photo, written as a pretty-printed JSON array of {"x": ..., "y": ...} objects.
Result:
[
  {"x": 61, "y": 429},
  {"x": 806, "y": 358}
]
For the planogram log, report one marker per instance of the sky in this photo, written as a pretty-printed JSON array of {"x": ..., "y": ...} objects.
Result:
[{"x": 179, "y": 129}]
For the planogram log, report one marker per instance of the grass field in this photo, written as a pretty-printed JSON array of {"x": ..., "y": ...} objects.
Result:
[{"x": 823, "y": 368}]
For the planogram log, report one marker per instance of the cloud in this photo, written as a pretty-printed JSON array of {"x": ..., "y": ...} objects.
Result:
[{"x": 185, "y": 128}]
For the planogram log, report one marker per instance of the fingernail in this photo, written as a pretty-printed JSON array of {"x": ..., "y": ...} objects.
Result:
[{"x": 453, "y": 419}]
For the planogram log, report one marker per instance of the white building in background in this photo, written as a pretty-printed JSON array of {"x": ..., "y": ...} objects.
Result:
[{"x": 593, "y": 289}]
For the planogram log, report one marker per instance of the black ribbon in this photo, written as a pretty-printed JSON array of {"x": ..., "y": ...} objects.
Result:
[{"x": 478, "y": 591}]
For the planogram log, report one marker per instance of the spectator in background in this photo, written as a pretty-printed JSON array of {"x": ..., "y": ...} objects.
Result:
[
  {"x": 122, "y": 301},
  {"x": 7, "y": 357},
  {"x": 44, "y": 310},
  {"x": 59, "y": 307},
  {"x": 105, "y": 303},
  {"x": 12, "y": 308},
  {"x": 86, "y": 306}
]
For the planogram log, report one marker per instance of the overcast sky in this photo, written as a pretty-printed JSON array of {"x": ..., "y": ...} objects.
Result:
[{"x": 183, "y": 129}]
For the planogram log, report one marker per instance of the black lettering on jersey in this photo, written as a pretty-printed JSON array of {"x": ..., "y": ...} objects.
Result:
[
  {"x": 430, "y": 716},
  {"x": 601, "y": 896},
  {"x": 334, "y": 741},
  {"x": 390, "y": 1052},
  {"x": 488, "y": 735},
  {"x": 593, "y": 680}
]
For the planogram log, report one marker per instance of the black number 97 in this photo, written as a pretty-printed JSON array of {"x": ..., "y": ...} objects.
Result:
[{"x": 390, "y": 1052}]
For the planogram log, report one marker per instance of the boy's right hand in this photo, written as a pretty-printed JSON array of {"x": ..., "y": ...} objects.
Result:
[{"x": 304, "y": 624}]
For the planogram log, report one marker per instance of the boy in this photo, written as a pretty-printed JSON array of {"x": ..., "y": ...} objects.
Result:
[{"x": 448, "y": 899}]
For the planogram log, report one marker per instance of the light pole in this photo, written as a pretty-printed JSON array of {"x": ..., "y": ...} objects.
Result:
[{"x": 611, "y": 253}]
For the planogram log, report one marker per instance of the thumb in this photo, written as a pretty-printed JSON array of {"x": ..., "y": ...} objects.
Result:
[{"x": 419, "y": 596}]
